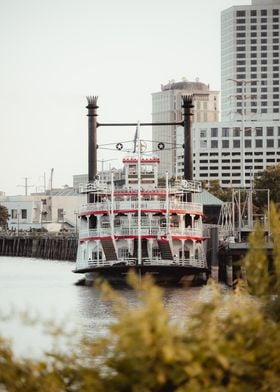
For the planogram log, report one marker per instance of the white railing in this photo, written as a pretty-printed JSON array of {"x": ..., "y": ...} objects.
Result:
[
  {"x": 191, "y": 262},
  {"x": 94, "y": 186},
  {"x": 144, "y": 205},
  {"x": 190, "y": 186},
  {"x": 145, "y": 231}
]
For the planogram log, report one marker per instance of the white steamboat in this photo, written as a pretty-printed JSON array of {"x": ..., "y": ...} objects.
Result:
[{"x": 145, "y": 226}]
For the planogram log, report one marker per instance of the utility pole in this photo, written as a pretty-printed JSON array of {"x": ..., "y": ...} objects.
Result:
[
  {"x": 243, "y": 84},
  {"x": 26, "y": 186}
]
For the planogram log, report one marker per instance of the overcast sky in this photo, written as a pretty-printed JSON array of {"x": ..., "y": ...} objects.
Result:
[{"x": 56, "y": 52}]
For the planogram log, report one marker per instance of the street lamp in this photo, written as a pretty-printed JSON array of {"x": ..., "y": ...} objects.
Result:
[{"x": 243, "y": 83}]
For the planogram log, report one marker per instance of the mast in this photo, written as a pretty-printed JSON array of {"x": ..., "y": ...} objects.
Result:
[{"x": 139, "y": 253}]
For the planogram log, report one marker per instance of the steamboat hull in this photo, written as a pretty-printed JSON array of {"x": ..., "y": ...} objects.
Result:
[{"x": 162, "y": 275}]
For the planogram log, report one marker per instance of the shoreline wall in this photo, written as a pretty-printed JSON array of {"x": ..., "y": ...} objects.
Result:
[{"x": 45, "y": 247}]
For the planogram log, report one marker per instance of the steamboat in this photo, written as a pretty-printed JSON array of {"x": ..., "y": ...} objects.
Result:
[{"x": 150, "y": 227}]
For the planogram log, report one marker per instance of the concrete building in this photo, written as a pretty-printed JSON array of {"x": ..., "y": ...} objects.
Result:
[
  {"x": 166, "y": 107},
  {"x": 248, "y": 138},
  {"x": 44, "y": 211},
  {"x": 219, "y": 154},
  {"x": 250, "y": 62}
]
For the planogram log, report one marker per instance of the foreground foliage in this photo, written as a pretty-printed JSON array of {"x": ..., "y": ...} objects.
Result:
[{"x": 227, "y": 343}]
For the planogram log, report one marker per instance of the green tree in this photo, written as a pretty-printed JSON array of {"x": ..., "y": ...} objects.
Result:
[
  {"x": 268, "y": 179},
  {"x": 4, "y": 216},
  {"x": 215, "y": 188}
]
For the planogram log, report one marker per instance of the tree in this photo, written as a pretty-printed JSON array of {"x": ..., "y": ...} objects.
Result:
[
  {"x": 4, "y": 216},
  {"x": 215, "y": 188},
  {"x": 268, "y": 179}
]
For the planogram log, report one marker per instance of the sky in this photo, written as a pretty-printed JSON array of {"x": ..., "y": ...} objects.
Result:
[{"x": 54, "y": 53}]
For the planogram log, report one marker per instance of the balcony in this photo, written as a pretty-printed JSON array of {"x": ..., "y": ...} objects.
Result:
[
  {"x": 155, "y": 231},
  {"x": 145, "y": 205}
]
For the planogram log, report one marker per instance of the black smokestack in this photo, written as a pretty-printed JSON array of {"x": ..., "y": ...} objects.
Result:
[
  {"x": 92, "y": 137},
  {"x": 188, "y": 155}
]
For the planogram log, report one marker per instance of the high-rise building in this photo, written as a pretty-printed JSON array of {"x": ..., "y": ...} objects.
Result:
[
  {"x": 167, "y": 107},
  {"x": 248, "y": 138},
  {"x": 250, "y": 62}
]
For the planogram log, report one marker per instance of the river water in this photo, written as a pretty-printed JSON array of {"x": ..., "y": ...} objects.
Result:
[{"x": 46, "y": 290}]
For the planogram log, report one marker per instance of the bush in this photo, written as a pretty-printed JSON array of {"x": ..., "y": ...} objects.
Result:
[{"x": 228, "y": 343}]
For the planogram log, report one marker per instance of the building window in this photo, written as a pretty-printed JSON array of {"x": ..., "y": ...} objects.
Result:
[
  {"x": 236, "y": 143},
  {"x": 236, "y": 132},
  {"x": 214, "y": 143},
  {"x": 214, "y": 132},
  {"x": 259, "y": 143},
  {"x": 248, "y": 143},
  {"x": 263, "y": 12},
  {"x": 225, "y": 132},
  {"x": 270, "y": 143},
  {"x": 259, "y": 131},
  {"x": 253, "y": 12},
  {"x": 23, "y": 214},
  {"x": 203, "y": 143},
  {"x": 203, "y": 133},
  {"x": 248, "y": 131},
  {"x": 225, "y": 143},
  {"x": 60, "y": 215},
  {"x": 14, "y": 214},
  {"x": 269, "y": 131},
  {"x": 275, "y": 12},
  {"x": 240, "y": 13}
]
